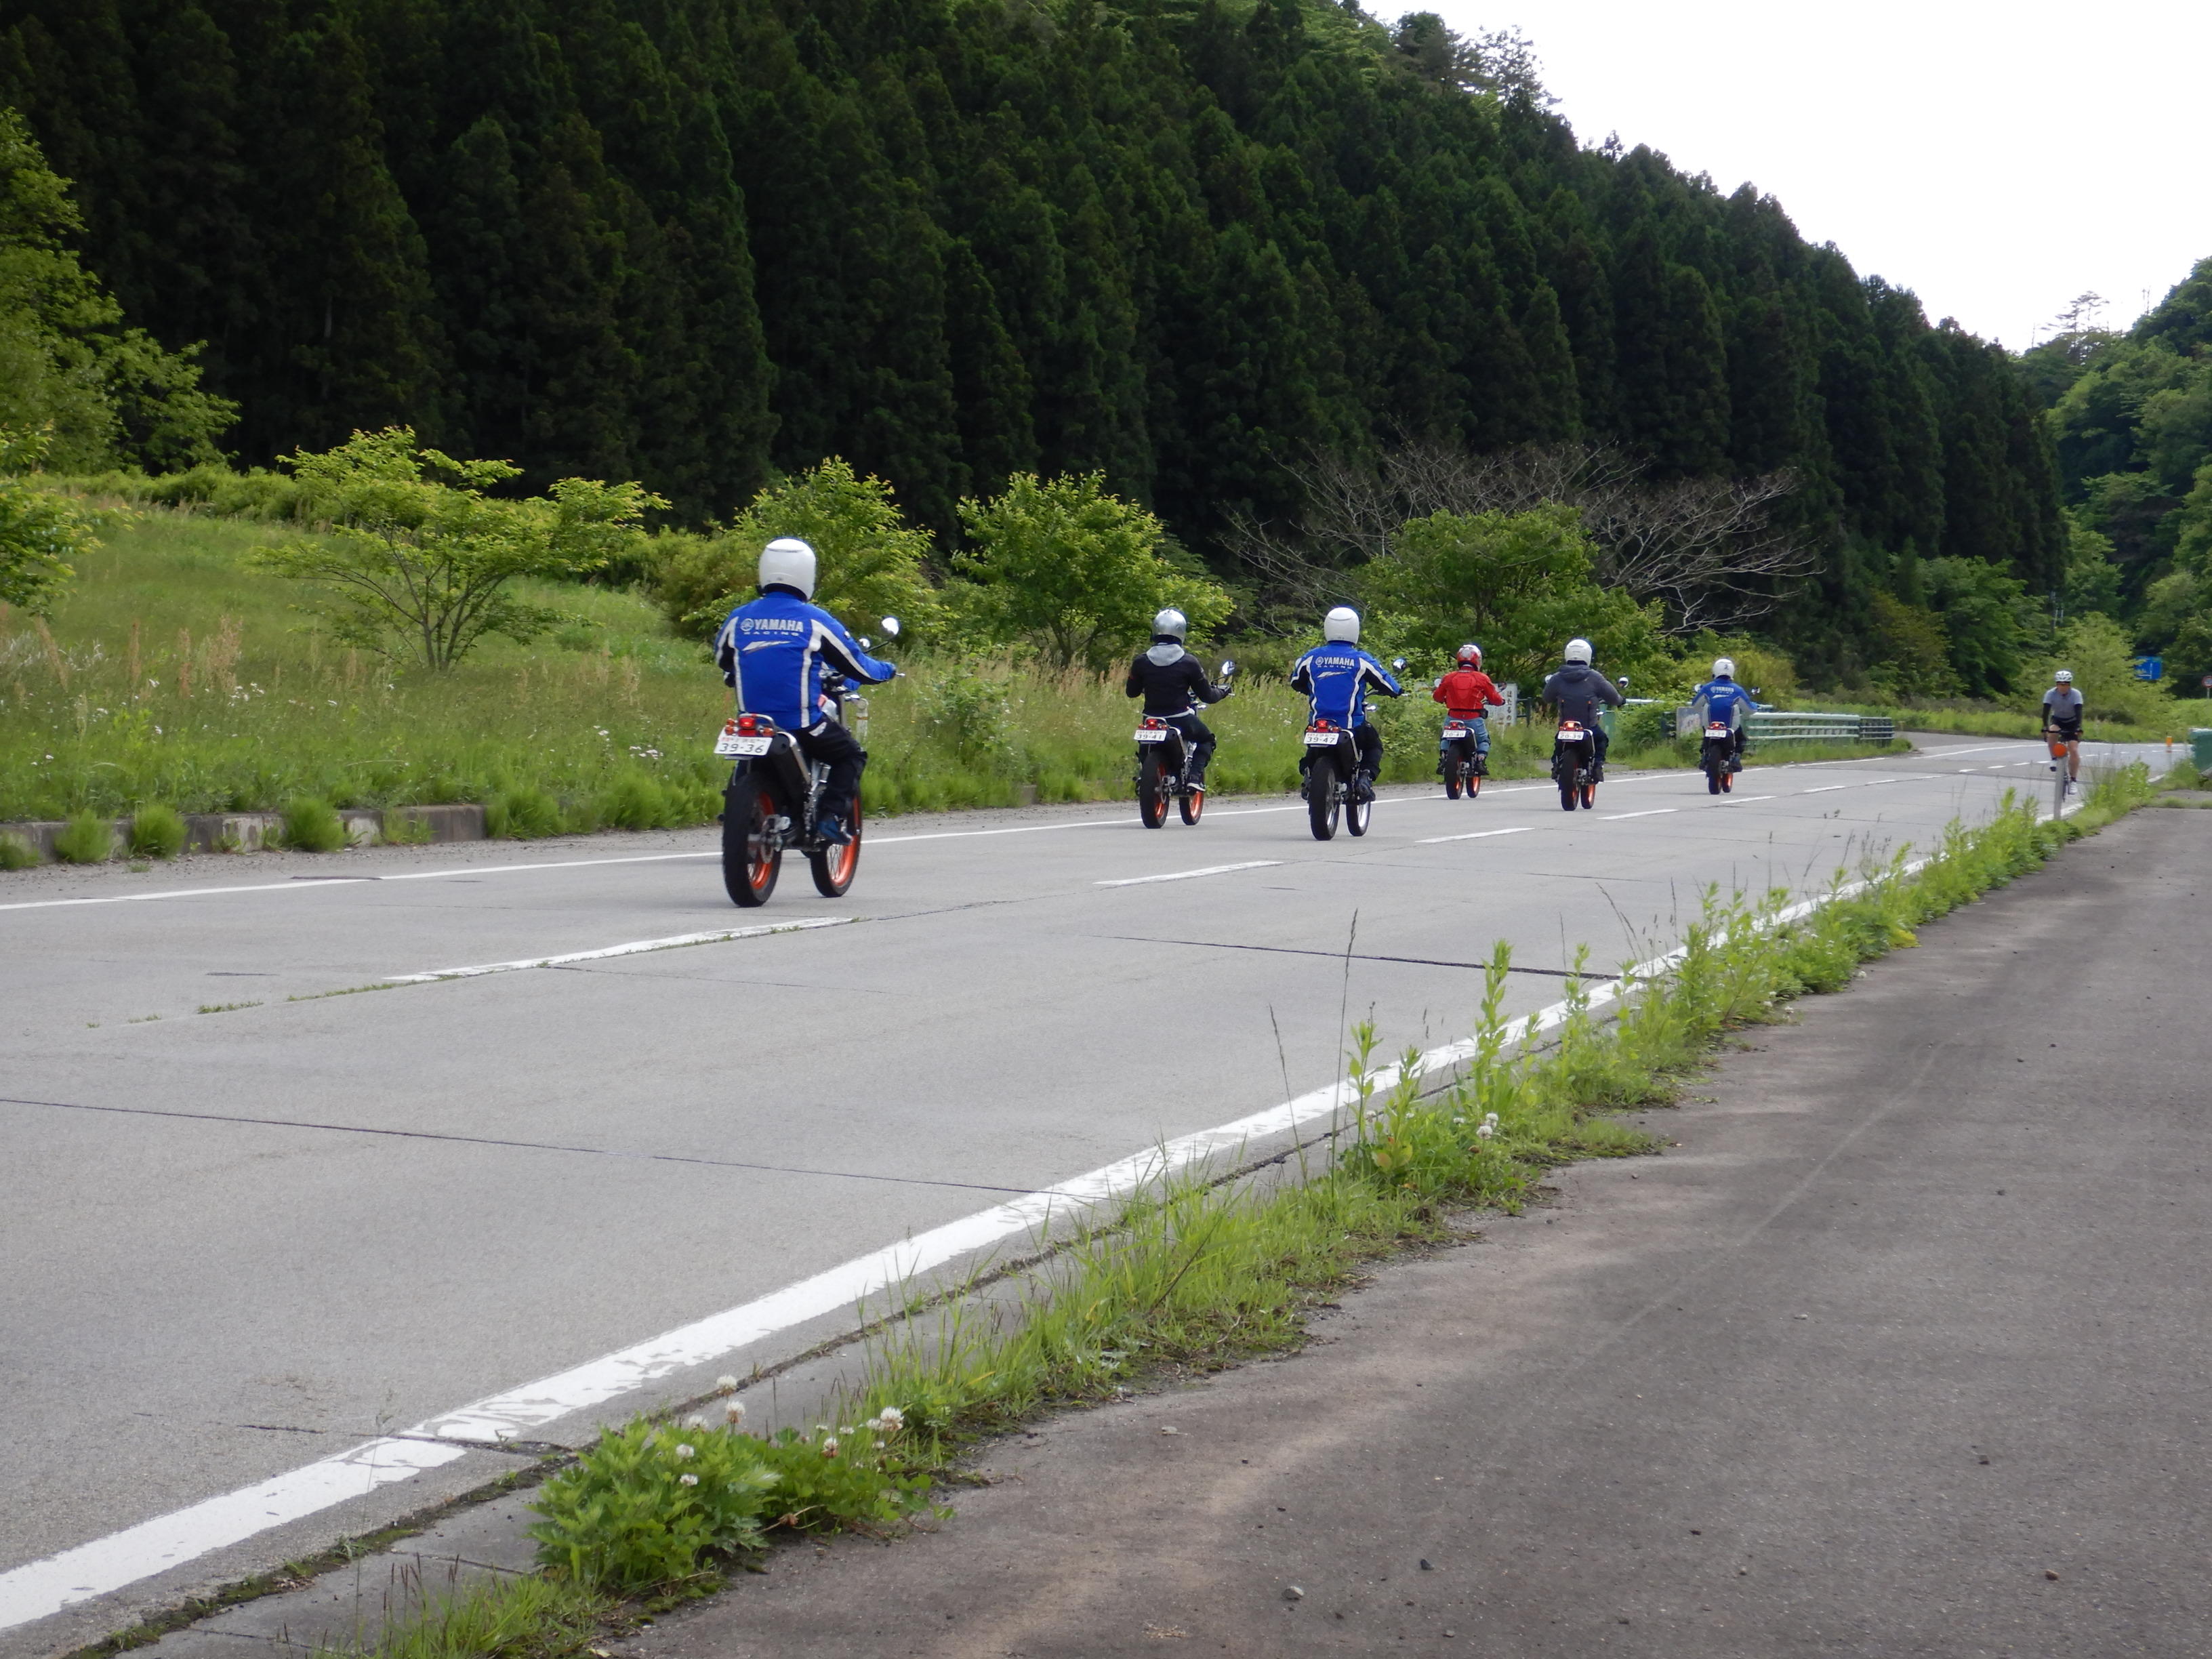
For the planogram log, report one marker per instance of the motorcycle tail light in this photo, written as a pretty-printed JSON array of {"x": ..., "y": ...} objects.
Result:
[
  {"x": 752, "y": 725},
  {"x": 1154, "y": 723}
]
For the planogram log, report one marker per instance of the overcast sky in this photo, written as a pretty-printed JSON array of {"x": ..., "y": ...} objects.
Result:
[{"x": 1997, "y": 158}]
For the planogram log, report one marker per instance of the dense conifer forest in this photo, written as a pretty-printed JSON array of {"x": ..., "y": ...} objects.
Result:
[{"x": 1195, "y": 244}]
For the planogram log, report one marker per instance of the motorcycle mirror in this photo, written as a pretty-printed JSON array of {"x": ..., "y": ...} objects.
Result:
[
  {"x": 1229, "y": 668},
  {"x": 891, "y": 626},
  {"x": 866, "y": 644},
  {"x": 1398, "y": 663}
]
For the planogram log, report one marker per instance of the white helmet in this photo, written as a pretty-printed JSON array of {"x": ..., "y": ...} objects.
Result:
[
  {"x": 787, "y": 561},
  {"x": 1342, "y": 625},
  {"x": 1723, "y": 668},
  {"x": 1579, "y": 651},
  {"x": 1470, "y": 654},
  {"x": 2066, "y": 677},
  {"x": 1172, "y": 624}
]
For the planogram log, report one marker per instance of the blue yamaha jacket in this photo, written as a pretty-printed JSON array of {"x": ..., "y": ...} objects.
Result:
[
  {"x": 774, "y": 650},
  {"x": 1724, "y": 700},
  {"x": 1336, "y": 676}
]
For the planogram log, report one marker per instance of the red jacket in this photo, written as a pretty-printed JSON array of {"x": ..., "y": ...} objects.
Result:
[{"x": 1465, "y": 692}]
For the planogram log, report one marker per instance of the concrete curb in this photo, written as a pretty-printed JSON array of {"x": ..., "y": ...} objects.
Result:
[{"x": 255, "y": 832}]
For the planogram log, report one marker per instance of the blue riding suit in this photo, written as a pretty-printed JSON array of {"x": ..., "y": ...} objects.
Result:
[
  {"x": 772, "y": 650},
  {"x": 1336, "y": 676},
  {"x": 1724, "y": 700}
]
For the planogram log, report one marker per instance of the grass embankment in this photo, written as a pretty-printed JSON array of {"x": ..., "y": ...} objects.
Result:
[
  {"x": 1209, "y": 1272},
  {"x": 176, "y": 675}
]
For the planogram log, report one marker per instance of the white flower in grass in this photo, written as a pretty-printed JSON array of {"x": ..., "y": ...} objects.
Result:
[
  {"x": 1491, "y": 1118},
  {"x": 891, "y": 1418},
  {"x": 829, "y": 1447},
  {"x": 695, "y": 1421},
  {"x": 726, "y": 1383},
  {"x": 735, "y": 1411},
  {"x": 685, "y": 1451},
  {"x": 1484, "y": 1131},
  {"x": 687, "y": 1479}
]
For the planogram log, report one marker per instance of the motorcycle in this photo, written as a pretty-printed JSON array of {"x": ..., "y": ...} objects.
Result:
[
  {"x": 1163, "y": 758},
  {"x": 1331, "y": 768},
  {"x": 1717, "y": 758},
  {"x": 1574, "y": 765},
  {"x": 773, "y": 801},
  {"x": 1463, "y": 765}
]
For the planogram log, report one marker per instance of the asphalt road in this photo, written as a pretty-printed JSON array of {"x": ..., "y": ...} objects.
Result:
[
  {"x": 1903, "y": 1346},
  {"x": 239, "y": 1240}
]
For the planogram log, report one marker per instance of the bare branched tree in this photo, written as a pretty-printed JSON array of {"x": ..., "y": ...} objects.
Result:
[{"x": 1708, "y": 549}]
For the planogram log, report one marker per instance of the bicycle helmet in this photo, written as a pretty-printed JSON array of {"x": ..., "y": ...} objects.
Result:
[
  {"x": 1170, "y": 624},
  {"x": 1579, "y": 651},
  {"x": 1723, "y": 668},
  {"x": 2065, "y": 677},
  {"x": 1341, "y": 626},
  {"x": 1470, "y": 655},
  {"x": 787, "y": 561}
]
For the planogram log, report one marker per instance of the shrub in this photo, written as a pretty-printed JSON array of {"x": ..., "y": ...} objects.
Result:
[
  {"x": 632, "y": 800},
  {"x": 88, "y": 839},
  {"x": 523, "y": 813},
  {"x": 314, "y": 826},
  {"x": 157, "y": 831},
  {"x": 16, "y": 853},
  {"x": 647, "y": 1503}
]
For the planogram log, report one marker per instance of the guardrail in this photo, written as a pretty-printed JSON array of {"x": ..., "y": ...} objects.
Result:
[{"x": 1797, "y": 725}]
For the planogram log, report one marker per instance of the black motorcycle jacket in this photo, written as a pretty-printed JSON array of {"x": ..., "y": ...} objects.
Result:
[
  {"x": 1578, "y": 691},
  {"x": 1169, "y": 680}
]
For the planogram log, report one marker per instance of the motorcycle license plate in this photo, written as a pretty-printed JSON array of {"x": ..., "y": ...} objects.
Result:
[
  {"x": 1717, "y": 731},
  {"x": 1574, "y": 737},
  {"x": 729, "y": 744},
  {"x": 1152, "y": 734},
  {"x": 1322, "y": 739},
  {"x": 1454, "y": 732}
]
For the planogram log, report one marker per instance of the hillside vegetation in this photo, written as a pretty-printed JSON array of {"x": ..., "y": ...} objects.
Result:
[{"x": 1189, "y": 246}]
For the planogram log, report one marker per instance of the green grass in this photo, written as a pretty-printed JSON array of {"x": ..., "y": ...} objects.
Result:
[{"x": 1976, "y": 720}]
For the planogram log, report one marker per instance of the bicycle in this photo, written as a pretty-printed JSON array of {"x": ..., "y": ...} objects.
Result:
[{"x": 2065, "y": 761}]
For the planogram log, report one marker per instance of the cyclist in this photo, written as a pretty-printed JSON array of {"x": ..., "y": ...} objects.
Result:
[
  {"x": 1337, "y": 675},
  {"x": 1171, "y": 682},
  {"x": 1578, "y": 692},
  {"x": 1469, "y": 696},
  {"x": 1724, "y": 700},
  {"x": 772, "y": 650},
  {"x": 2062, "y": 721}
]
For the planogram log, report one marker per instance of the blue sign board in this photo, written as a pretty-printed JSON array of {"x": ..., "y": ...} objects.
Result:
[{"x": 2149, "y": 668}]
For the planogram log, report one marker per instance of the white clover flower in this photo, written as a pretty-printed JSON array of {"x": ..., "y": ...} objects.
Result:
[
  {"x": 892, "y": 1416},
  {"x": 685, "y": 1451},
  {"x": 829, "y": 1447},
  {"x": 726, "y": 1382},
  {"x": 1491, "y": 1118},
  {"x": 1483, "y": 1131},
  {"x": 695, "y": 1421},
  {"x": 735, "y": 1411},
  {"x": 687, "y": 1479}
]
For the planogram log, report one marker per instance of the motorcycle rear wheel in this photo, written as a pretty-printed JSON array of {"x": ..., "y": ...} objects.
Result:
[
  {"x": 1589, "y": 796},
  {"x": 1473, "y": 781},
  {"x": 1190, "y": 803},
  {"x": 1728, "y": 781},
  {"x": 1357, "y": 814},
  {"x": 834, "y": 867},
  {"x": 750, "y": 865},
  {"x": 1451, "y": 780},
  {"x": 1712, "y": 780},
  {"x": 1321, "y": 802},
  {"x": 1152, "y": 792},
  {"x": 1570, "y": 796}
]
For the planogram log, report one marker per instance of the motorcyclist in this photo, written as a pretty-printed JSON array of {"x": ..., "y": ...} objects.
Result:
[
  {"x": 1724, "y": 700},
  {"x": 1578, "y": 692},
  {"x": 773, "y": 652},
  {"x": 1336, "y": 675},
  {"x": 1171, "y": 682},
  {"x": 1469, "y": 696},
  {"x": 2061, "y": 721}
]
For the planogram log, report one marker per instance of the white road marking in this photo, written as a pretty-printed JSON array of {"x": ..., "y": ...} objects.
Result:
[
  {"x": 1824, "y": 788},
  {"x": 637, "y": 947},
  {"x": 1476, "y": 834},
  {"x": 1185, "y": 875},
  {"x": 41, "y": 1588},
  {"x": 1740, "y": 800},
  {"x": 1651, "y": 812}
]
